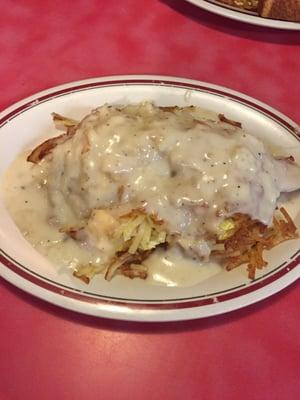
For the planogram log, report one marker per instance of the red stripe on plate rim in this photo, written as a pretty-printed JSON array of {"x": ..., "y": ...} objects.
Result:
[{"x": 79, "y": 296}]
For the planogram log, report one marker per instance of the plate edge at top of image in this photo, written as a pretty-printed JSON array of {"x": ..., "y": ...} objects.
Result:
[
  {"x": 134, "y": 310},
  {"x": 243, "y": 16}
]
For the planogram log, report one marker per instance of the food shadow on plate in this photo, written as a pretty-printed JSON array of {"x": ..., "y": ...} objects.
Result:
[
  {"x": 151, "y": 327},
  {"x": 233, "y": 27}
]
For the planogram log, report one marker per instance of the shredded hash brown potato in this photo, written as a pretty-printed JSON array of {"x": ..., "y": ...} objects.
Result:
[
  {"x": 243, "y": 242},
  {"x": 222, "y": 118},
  {"x": 87, "y": 272},
  {"x": 250, "y": 238},
  {"x": 129, "y": 265},
  {"x": 135, "y": 238},
  {"x": 139, "y": 231},
  {"x": 62, "y": 123}
]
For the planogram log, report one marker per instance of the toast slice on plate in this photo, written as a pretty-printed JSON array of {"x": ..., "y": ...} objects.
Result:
[{"x": 288, "y": 10}]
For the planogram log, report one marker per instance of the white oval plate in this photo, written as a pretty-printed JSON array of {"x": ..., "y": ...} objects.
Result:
[
  {"x": 243, "y": 16},
  {"x": 21, "y": 126}
]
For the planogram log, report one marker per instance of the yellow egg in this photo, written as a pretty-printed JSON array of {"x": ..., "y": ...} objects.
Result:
[{"x": 227, "y": 229}]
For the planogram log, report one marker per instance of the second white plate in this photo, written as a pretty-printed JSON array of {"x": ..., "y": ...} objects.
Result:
[{"x": 243, "y": 16}]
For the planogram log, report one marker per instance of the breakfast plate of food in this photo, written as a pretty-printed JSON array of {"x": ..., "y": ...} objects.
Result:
[
  {"x": 148, "y": 198},
  {"x": 281, "y": 14}
]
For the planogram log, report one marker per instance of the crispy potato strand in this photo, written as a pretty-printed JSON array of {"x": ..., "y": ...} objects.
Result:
[{"x": 251, "y": 238}]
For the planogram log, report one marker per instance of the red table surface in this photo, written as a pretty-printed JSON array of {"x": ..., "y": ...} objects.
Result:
[{"x": 50, "y": 353}]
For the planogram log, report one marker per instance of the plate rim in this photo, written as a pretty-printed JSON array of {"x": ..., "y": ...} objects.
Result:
[
  {"x": 115, "y": 312},
  {"x": 131, "y": 310},
  {"x": 237, "y": 15}
]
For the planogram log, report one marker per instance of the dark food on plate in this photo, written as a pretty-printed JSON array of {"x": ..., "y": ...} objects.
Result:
[
  {"x": 250, "y": 5},
  {"x": 133, "y": 179},
  {"x": 288, "y": 10}
]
